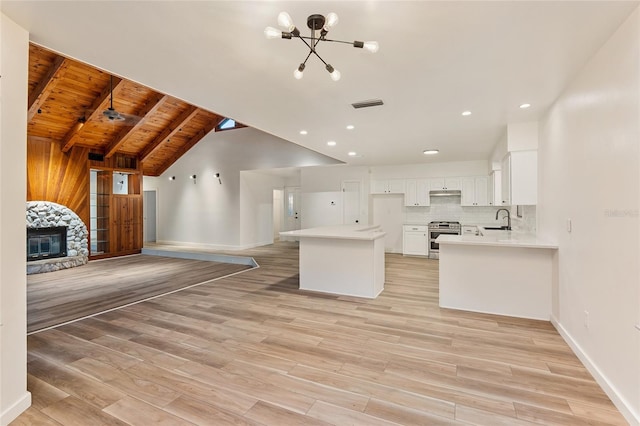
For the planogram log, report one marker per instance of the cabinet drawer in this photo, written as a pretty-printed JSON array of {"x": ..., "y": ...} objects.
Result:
[{"x": 415, "y": 228}]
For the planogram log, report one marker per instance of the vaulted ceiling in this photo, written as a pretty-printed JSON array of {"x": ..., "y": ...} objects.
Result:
[
  {"x": 67, "y": 104},
  {"x": 436, "y": 60}
]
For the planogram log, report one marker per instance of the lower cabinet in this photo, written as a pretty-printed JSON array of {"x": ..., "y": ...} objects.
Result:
[{"x": 415, "y": 239}]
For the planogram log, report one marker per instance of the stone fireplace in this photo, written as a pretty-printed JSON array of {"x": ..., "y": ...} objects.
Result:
[{"x": 56, "y": 238}]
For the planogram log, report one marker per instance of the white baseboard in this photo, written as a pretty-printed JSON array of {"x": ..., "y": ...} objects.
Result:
[
  {"x": 626, "y": 409},
  {"x": 11, "y": 413}
]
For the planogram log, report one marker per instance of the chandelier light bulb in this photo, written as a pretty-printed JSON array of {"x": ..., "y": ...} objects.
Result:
[
  {"x": 298, "y": 73},
  {"x": 285, "y": 21},
  {"x": 335, "y": 74},
  {"x": 332, "y": 21},
  {"x": 272, "y": 33},
  {"x": 371, "y": 46}
]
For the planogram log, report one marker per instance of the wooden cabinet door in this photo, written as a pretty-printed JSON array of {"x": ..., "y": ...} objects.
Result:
[{"x": 127, "y": 220}]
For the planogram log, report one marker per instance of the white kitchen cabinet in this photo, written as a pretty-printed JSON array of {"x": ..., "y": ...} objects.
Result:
[
  {"x": 520, "y": 178},
  {"x": 417, "y": 192},
  {"x": 388, "y": 186},
  {"x": 415, "y": 240},
  {"x": 495, "y": 188},
  {"x": 446, "y": 183},
  {"x": 475, "y": 191}
]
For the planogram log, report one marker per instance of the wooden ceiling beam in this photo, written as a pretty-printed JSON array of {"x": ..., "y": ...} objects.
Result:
[
  {"x": 167, "y": 133},
  {"x": 97, "y": 106},
  {"x": 187, "y": 146},
  {"x": 46, "y": 85},
  {"x": 150, "y": 107}
]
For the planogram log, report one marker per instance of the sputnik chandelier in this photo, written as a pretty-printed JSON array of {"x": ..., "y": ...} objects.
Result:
[{"x": 319, "y": 26}]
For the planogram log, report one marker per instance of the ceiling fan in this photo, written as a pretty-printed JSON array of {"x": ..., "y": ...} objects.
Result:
[{"x": 112, "y": 115}]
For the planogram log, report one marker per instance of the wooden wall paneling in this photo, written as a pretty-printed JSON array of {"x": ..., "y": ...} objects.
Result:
[{"x": 57, "y": 177}]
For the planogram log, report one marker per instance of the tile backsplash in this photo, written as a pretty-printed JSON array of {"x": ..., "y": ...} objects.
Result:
[{"x": 449, "y": 209}]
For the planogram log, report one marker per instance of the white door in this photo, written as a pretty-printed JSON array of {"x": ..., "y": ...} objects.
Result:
[
  {"x": 351, "y": 202},
  {"x": 292, "y": 208},
  {"x": 149, "y": 217}
]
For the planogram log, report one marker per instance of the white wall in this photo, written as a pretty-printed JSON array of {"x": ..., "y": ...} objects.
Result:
[
  {"x": 14, "y": 60},
  {"x": 321, "y": 185},
  {"x": 256, "y": 208},
  {"x": 449, "y": 169},
  {"x": 209, "y": 214},
  {"x": 589, "y": 172},
  {"x": 522, "y": 136}
]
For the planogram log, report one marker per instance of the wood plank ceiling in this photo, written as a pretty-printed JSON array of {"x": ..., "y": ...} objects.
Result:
[{"x": 67, "y": 100}]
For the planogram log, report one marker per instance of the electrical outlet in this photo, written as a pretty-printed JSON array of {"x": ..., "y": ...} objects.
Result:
[
  {"x": 569, "y": 225},
  {"x": 586, "y": 319}
]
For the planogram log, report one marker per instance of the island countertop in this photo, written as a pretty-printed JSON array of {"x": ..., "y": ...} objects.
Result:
[
  {"x": 498, "y": 239},
  {"x": 344, "y": 232}
]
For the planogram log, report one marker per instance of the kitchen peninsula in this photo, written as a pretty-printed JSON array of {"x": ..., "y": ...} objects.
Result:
[
  {"x": 343, "y": 259},
  {"x": 499, "y": 272}
]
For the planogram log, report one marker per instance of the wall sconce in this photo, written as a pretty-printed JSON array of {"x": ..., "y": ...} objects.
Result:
[
  {"x": 172, "y": 178},
  {"x": 219, "y": 180},
  {"x": 194, "y": 178}
]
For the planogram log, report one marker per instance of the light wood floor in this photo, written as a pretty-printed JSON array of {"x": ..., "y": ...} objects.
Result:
[
  {"x": 57, "y": 297},
  {"x": 253, "y": 349}
]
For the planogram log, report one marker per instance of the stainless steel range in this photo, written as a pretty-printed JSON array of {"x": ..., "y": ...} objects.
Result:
[{"x": 438, "y": 228}]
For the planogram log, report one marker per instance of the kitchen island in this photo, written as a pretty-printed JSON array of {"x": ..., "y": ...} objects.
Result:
[
  {"x": 343, "y": 259},
  {"x": 500, "y": 272}
]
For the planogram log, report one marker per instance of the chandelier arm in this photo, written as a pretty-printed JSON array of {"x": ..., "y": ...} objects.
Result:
[
  {"x": 326, "y": 39},
  {"x": 305, "y": 42},
  {"x": 316, "y": 53},
  {"x": 307, "y": 58}
]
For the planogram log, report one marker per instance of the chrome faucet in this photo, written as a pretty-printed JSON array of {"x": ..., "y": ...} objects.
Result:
[{"x": 508, "y": 217}]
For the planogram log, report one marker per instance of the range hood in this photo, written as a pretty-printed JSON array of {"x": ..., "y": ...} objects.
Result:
[{"x": 445, "y": 193}]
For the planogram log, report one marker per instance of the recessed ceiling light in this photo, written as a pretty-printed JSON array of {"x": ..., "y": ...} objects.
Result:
[
  {"x": 525, "y": 106},
  {"x": 303, "y": 132},
  {"x": 331, "y": 143},
  {"x": 352, "y": 154},
  {"x": 465, "y": 113},
  {"x": 350, "y": 127},
  {"x": 430, "y": 151}
]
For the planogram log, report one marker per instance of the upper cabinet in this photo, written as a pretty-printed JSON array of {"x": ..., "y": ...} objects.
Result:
[
  {"x": 388, "y": 186},
  {"x": 495, "y": 188},
  {"x": 417, "y": 192},
  {"x": 520, "y": 178},
  {"x": 446, "y": 183},
  {"x": 475, "y": 191}
]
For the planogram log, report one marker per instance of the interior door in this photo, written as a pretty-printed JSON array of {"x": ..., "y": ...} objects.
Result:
[
  {"x": 351, "y": 202},
  {"x": 292, "y": 208},
  {"x": 149, "y": 218}
]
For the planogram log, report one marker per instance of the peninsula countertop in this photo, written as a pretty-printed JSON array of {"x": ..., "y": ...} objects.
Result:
[
  {"x": 344, "y": 232},
  {"x": 498, "y": 239}
]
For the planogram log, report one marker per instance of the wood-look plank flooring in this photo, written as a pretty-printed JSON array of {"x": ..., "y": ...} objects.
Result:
[
  {"x": 57, "y": 297},
  {"x": 252, "y": 349}
]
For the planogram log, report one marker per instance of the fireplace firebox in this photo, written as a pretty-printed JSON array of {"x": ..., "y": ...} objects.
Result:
[{"x": 46, "y": 243}]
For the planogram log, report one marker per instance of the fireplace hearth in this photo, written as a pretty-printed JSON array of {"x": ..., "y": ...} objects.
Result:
[{"x": 46, "y": 243}]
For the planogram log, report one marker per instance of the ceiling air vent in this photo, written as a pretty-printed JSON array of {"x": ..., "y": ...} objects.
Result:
[{"x": 367, "y": 104}]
